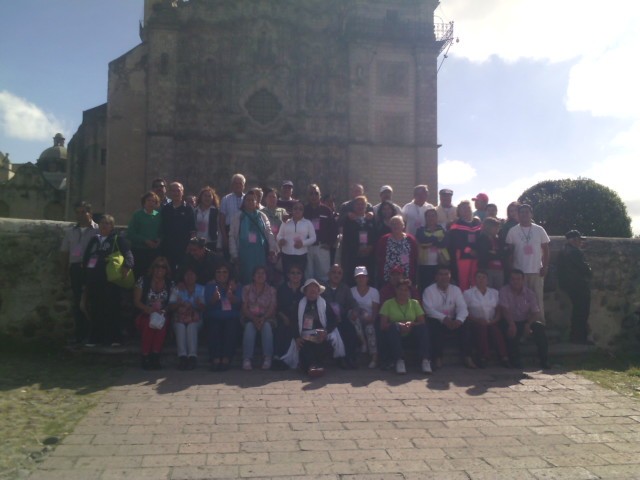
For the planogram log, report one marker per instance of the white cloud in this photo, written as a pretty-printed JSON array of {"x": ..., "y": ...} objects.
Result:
[
  {"x": 24, "y": 120},
  {"x": 455, "y": 172}
]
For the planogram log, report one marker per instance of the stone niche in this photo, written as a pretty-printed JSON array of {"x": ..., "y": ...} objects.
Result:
[{"x": 35, "y": 302}]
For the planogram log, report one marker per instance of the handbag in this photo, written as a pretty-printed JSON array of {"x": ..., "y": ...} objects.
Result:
[
  {"x": 156, "y": 321},
  {"x": 115, "y": 263}
]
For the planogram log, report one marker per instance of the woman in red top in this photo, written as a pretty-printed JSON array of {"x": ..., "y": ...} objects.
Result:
[{"x": 463, "y": 237}]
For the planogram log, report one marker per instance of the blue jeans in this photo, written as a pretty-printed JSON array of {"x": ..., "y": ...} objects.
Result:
[{"x": 249, "y": 340}]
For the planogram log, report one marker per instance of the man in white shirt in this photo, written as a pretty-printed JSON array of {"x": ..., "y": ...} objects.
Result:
[
  {"x": 446, "y": 314},
  {"x": 447, "y": 213},
  {"x": 413, "y": 212},
  {"x": 529, "y": 245},
  {"x": 229, "y": 206}
]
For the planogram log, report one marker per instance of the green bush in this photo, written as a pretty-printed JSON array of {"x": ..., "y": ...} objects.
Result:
[{"x": 582, "y": 204}]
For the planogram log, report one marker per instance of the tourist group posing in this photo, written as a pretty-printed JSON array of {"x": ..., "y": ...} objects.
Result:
[{"x": 311, "y": 280}]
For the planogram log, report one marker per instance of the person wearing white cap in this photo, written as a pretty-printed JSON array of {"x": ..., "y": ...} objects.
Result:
[
  {"x": 447, "y": 212},
  {"x": 368, "y": 299},
  {"x": 386, "y": 192}
]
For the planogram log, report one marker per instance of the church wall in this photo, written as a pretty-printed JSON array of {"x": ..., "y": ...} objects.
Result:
[
  {"x": 87, "y": 162},
  {"x": 126, "y": 133}
]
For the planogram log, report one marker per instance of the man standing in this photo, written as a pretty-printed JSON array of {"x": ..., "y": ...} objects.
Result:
[
  {"x": 481, "y": 201},
  {"x": 159, "y": 187},
  {"x": 386, "y": 192},
  {"x": 529, "y": 246},
  {"x": 286, "y": 199},
  {"x": 178, "y": 226},
  {"x": 446, "y": 313},
  {"x": 229, "y": 206},
  {"x": 72, "y": 249},
  {"x": 574, "y": 277},
  {"x": 521, "y": 317},
  {"x": 413, "y": 212},
  {"x": 447, "y": 213},
  {"x": 322, "y": 218}
]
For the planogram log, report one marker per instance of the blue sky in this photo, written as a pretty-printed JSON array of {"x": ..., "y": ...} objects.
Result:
[{"x": 534, "y": 90}]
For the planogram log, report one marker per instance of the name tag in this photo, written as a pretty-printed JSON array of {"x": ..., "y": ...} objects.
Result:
[
  {"x": 528, "y": 249},
  {"x": 404, "y": 258},
  {"x": 253, "y": 238},
  {"x": 77, "y": 251},
  {"x": 226, "y": 305},
  {"x": 364, "y": 238},
  {"x": 92, "y": 262},
  {"x": 316, "y": 223},
  {"x": 275, "y": 229},
  {"x": 307, "y": 322},
  {"x": 471, "y": 238}
]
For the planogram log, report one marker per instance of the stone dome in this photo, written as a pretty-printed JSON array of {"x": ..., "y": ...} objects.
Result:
[{"x": 57, "y": 152}]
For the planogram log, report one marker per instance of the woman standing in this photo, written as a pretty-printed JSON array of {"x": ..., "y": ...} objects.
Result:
[
  {"x": 251, "y": 240},
  {"x": 358, "y": 238},
  {"x": 144, "y": 233},
  {"x": 386, "y": 211},
  {"x": 274, "y": 213},
  {"x": 103, "y": 297},
  {"x": 258, "y": 314},
  {"x": 463, "y": 236},
  {"x": 151, "y": 296},
  {"x": 396, "y": 248},
  {"x": 294, "y": 237},
  {"x": 206, "y": 216},
  {"x": 186, "y": 303}
]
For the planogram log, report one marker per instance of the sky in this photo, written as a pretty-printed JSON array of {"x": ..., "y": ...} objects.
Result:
[{"x": 533, "y": 90}]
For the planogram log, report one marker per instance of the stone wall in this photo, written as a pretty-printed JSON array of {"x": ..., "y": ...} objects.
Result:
[{"x": 34, "y": 296}]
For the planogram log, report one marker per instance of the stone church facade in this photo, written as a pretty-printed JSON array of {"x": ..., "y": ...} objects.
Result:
[{"x": 326, "y": 91}]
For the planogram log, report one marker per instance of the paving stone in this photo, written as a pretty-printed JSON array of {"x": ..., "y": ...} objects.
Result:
[
  {"x": 205, "y": 472},
  {"x": 161, "y": 473},
  {"x": 564, "y": 473}
]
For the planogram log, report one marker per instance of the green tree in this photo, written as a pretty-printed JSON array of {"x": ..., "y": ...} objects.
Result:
[{"x": 582, "y": 204}]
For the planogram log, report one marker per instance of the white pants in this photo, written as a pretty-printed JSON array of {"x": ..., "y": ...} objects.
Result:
[
  {"x": 318, "y": 260},
  {"x": 187, "y": 338}
]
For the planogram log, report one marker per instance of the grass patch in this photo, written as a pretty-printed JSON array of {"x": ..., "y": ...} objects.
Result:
[
  {"x": 615, "y": 371},
  {"x": 43, "y": 395}
]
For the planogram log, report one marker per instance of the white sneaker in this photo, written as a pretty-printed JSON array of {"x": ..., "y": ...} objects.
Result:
[
  {"x": 400, "y": 368},
  {"x": 426, "y": 366},
  {"x": 266, "y": 365},
  {"x": 246, "y": 364}
]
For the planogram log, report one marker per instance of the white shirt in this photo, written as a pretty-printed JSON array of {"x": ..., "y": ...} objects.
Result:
[
  {"x": 439, "y": 304},
  {"x": 481, "y": 305},
  {"x": 527, "y": 247},
  {"x": 366, "y": 301},
  {"x": 414, "y": 216},
  {"x": 291, "y": 230},
  {"x": 202, "y": 223},
  {"x": 229, "y": 206}
]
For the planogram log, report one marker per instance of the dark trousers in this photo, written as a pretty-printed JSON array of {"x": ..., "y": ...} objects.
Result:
[
  {"x": 222, "y": 337},
  {"x": 426, "y": 275},
  {"x": 80, "y": 320},
  {"x": 313, "y": 354},
  {"x": 581, "y": 306},
  {"x": 419, "y": 335},
  {"x": 349, "y": 338},
  {"x": 439, "y": 332},
  {"x": 143, "y": 257},
  {"x": 282, "y": 337},
  {"x": 513, "y": 344},
  {"x": 104, "y": 309}
]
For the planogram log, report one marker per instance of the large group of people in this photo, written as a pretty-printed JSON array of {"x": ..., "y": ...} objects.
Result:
[{"x": 314, "y": 282}]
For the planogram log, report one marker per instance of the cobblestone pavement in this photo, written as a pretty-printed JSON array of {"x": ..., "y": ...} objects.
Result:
[{"x": 456, "y": 424}]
